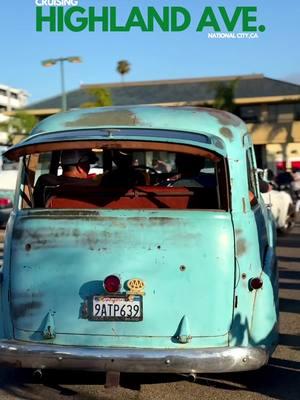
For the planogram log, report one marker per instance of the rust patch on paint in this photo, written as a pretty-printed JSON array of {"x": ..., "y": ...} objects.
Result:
[
  {"x": 162, "y": 220},
  {"x": 224, "y": 118},
  {"x": 21, "y": 310},
  {"x": 76, "y": 232},
  {"x": 244, "y": 205},
  {"x": 241, "y": 247},
  {"x": 226, "y": 132},
  {"x": 104, "y": 118}
]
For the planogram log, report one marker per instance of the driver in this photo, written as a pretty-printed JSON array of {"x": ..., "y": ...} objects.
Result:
[
  {"x": 189, "y": 174},
  {"x": 126, "y": 174}
]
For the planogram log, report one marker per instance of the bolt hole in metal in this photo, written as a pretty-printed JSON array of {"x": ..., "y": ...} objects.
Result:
[
  {"x": 182, "y": 268},
  {"x": 158, "y": 247},
  {"x": 27, "y": 246}
]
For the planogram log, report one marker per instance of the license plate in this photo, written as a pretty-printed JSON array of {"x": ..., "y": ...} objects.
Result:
[{"x": 121, "y": 308}]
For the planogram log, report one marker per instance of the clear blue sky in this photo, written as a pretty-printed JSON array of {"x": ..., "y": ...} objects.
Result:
[{"x": 153, "y": 55}]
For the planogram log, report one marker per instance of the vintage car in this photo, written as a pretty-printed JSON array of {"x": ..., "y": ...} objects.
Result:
[
  {"x": 8, "y": 179},
  {"x": 163, "y": 262}
]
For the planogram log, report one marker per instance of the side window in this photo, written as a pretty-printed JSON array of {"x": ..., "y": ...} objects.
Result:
[
  {"x": 34, "y": 165},
  {"x": 251, "y": 172},
  {"x": 43, "y": 165}
]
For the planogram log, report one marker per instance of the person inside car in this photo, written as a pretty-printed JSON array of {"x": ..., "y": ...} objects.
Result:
[
  {"x": 189, "y": 172},
  {"x": 126, "y": 174},
  {"x": 75, "y": 165}
]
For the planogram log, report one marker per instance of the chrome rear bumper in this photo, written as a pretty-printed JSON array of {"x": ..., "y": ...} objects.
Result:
[{"x": 210, "y": 360}]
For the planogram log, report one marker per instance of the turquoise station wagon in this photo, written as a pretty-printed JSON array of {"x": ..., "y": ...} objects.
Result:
[{"x": 161, "y": 259}]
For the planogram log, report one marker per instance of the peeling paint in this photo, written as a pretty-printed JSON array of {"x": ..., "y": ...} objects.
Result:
[
  {"x": 226, "y": 132},
  {"x": 224, "y": 118},
  {"x": 76, "y": 232},
  {"x": 21, "y": 310},
  {"x": 104, "y": 118},
  {"x": 241, "y": 247},
  {"x": 244, "y": 205}
]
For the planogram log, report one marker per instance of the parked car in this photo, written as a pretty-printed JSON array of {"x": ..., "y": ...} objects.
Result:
[
  {"x": 6, "y": 204},
  {"x": 123, "y": 273},
  {"x": 8, "y": 179}
]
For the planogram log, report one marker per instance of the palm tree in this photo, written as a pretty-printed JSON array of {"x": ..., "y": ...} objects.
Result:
[
  {"x": 224, "y": 96},
  {"x": 101, "y": 96},
  {"x": 123, "y": 68}
]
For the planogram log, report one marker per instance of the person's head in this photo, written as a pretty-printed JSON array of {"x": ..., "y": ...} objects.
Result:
[
  {"x": 76, "y": 163},
  {"x": 122, "y": 159},
  {"x": 189, "y": 164}
]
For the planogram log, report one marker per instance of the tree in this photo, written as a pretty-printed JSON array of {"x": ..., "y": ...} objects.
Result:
[
  {"x": 20, "y": 123},
  {"x": 224, "y": 96},
  {"x": 123, "y": 68},
  {"x": 102, "y": 98}
]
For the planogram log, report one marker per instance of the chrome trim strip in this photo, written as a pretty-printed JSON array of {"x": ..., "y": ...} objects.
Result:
[{"x": 209, "y": 360}]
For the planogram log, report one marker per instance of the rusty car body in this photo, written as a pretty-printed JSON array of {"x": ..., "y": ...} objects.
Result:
[{"x": 147, "y": 277}]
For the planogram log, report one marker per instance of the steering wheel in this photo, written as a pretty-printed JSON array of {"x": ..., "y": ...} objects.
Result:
[{"x": 146, "y": 168}]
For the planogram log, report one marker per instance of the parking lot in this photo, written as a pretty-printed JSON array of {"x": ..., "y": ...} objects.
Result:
[{"x": 278, "y": 380}]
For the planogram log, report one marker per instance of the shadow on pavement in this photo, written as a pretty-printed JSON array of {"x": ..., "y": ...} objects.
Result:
[
  {"x": 289, "y": 259},
  {"x": 21, "y": 384},
  {"x": 289, "y": 305},
  {"x": 290, "y": 340},
  {"x": 289, "y": 286},
  {"x": 289, "y": 274},
  {"x": 277, "y": 380},
  {"x": 288, "y": 242}
]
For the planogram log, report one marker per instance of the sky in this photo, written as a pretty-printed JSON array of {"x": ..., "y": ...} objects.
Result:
[{"x": 152, "y": 55}]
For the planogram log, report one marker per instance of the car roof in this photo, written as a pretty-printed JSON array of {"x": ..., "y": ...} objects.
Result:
[
  {"x": 195, "y": 119},
  {"x": 83, "y": 124}
]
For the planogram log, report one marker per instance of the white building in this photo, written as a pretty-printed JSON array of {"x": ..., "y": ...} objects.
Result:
[{"x": 11, "y": 99}]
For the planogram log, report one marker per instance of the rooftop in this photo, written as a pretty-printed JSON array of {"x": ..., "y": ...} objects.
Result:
[{"x": 249, "y": 88}]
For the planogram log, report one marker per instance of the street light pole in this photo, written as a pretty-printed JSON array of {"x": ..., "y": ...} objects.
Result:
[
  {"x": 63, "y": 92},
  {"x": 61, "y": 60}
]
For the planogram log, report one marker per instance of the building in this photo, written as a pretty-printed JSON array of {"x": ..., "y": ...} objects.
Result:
[
  {"x": 11, "y": 99},
  {"x": 270, "y": 107}
]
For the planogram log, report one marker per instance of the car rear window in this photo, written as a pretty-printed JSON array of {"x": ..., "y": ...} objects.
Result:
[{"x": 129, "y": 178}]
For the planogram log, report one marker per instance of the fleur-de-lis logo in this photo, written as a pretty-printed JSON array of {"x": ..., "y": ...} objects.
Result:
[{"x": 136, "y": 286}]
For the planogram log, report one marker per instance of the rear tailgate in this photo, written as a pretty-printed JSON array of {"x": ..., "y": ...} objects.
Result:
[{"x": 185, "y": 259}]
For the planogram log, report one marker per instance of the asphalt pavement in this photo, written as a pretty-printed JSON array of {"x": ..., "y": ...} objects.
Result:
[{"x": 280, "y": 379}]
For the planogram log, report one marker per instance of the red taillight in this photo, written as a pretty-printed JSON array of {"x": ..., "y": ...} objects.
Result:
[
  {"x": 5, "y": 202},
  {"x": 112, "y": 284},
  {"x": 255, "y": 283}
]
